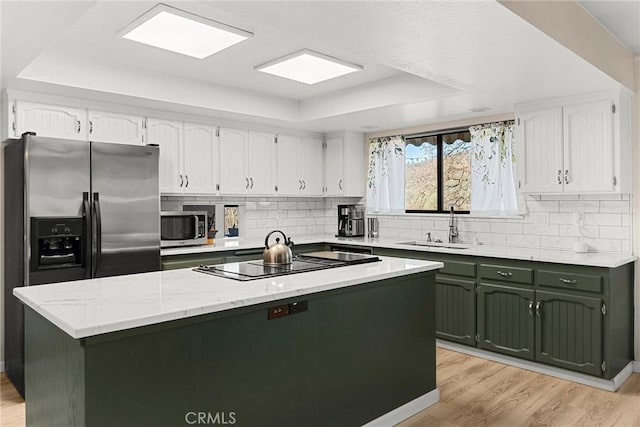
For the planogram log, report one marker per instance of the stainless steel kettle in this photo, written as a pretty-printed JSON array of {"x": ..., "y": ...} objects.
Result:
[{"x": 279, "y": 253}]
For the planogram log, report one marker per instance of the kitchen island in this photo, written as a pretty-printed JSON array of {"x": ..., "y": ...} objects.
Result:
[{"x": 343, "y": 346}]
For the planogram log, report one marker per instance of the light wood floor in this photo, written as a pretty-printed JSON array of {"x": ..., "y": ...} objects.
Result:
[{"x": 478, "y": 392}]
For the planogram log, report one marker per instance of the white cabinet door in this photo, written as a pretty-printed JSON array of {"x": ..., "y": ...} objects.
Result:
[
  {"x": 104, "y": 126},
  {"x": 334, "y": 167},
  {"x": 200, "y": 159},
  {"x": 311, "y": 166},
  {"x": 50, "y": 120},
  {"x": 262, "y": 159},
  {"x": 288, "y": 165},
  {"x": 168, "y": 135},
  {"x": 539, "y": 151},
  {"x": 588, "y": 147},
  {"x": 234, "y": 152}
]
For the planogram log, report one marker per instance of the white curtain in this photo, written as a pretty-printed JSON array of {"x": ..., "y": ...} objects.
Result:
[
  {"x": 385, "y": 178},
  {"x": 493, "y": 184}
]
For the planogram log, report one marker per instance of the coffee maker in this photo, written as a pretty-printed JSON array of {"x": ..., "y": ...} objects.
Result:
[{"x": 350, "y": 221}]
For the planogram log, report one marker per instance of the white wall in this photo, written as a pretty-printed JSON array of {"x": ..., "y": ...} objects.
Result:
[{"x": 636, "y": 203}]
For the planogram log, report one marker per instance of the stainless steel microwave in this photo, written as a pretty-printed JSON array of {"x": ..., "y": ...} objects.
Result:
[{"x": 183, "y": 229}]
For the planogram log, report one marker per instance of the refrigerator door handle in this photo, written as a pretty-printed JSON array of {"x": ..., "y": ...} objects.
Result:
[
  {"x": 98, "y": 232},
  {"x": 86, "y": 215}
]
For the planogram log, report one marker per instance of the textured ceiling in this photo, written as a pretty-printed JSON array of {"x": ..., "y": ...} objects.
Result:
[{"x": 424, "y": 61}]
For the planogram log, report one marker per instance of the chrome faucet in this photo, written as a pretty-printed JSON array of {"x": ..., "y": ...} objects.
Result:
[
  {"x": 453, "y": 230},
  {"x": 428, "y": 234}
]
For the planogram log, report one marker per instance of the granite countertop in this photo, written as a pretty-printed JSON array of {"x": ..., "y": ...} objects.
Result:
[
  {"x": 90, "y": 307},
  {"x": 594, "y": 259}
]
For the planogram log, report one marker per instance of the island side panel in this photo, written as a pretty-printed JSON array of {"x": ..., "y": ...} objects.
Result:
[
  {"x": 54, "y": 375},
  {"x": 376, "y": 349}
]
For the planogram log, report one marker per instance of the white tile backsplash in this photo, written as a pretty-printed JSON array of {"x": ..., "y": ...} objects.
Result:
[{"x": 549, "y": 223}]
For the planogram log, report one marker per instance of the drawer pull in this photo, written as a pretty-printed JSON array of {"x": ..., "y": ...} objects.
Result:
[
  {"x": 504, "y": 273},
  {"x": 568, "y": 282}
]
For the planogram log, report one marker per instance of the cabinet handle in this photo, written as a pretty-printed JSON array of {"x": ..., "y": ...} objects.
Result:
[
  {"x": 78, "y": 126},
  {"x": 538, "y": 306},
  {"x": 559, "y": 176},
  {"x": 90, "y": 127},
  {"x": 566, "y": 176},
  {"x": 304, "y": 185},
  {"x": 299, "y": 184},
  {"x": 187, "y": 177},
  {"x": 504, "y": 273},
  {"x": 247, "y": 185},
  {"x": 251, "y": 179},
  {"x": 567, "y": 281},
  {"x": 531, "y": 308},
  {"x": 181, "y": 180},
  {"x": 340, "y": 184}
]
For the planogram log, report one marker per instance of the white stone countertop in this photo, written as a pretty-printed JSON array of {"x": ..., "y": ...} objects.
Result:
[
  {"x": 594, "y": 259},
  {"x": 91, "y": 307}
]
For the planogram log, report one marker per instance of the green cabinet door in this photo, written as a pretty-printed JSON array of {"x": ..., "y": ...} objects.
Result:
[
  {"x": 569, "y": 331},
  {"x": 456, "y": 309},
  {"x": 505, "y": 320}
]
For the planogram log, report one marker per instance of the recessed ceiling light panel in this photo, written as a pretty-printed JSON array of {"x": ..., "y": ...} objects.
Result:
[
  {"x": 182, "y": 32},
  {"x": 308, "y": 67}
]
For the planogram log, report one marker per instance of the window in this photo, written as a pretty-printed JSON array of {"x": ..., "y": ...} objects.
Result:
[{"x": 438, "y": 172}]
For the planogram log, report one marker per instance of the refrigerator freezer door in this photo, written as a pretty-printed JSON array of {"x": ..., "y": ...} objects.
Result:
[
  {"x": 57, "y": 174},
  {"x": 126, "y": 206}
]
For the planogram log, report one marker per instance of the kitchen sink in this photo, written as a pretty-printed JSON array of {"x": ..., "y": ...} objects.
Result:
[{"x": 435, "y": 244}]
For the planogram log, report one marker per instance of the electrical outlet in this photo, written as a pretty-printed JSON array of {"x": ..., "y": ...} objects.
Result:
[{"x": 578, "y": 218}]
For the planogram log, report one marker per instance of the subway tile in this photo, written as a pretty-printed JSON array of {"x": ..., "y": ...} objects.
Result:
[
  {"x": 251, "y": 205},
  {"x": 540, "y": 229},
  {"x": 626, "y": 247},
  {"x": 605, "y": 245},
  {"x": 407, "y": 233},
  {"x": 590, "y": 232},
  {"x": 491, "y": 238},
  {"x": 477, "y": 227},
  {"x": 622, "y": 206},
  {"x": 404, "y": 223},
  {"x": 307, "y": 221},
  {"x": 287, "y": 205},
  {"x": 602, "y": 219},
  {"x": 579, "y": 206},
  {"x": 507, "y": 228},
  {"x": 523, "y": 240},
  {"x": 559, "y": 197},
  {"x": 542, "y": 205},
  {"x": 600, "y": 197},
  {"x": 622, "y": 233},
  {"x": 561, "y": 218},
  {"x": 625, "y": 220}
]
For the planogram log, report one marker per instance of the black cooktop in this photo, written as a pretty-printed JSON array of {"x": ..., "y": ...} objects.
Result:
[{"x": 251, "y": 270}]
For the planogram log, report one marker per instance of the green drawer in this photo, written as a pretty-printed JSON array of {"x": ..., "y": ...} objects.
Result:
[
  {"x": 561, "y": 280},
  {"x": 459, "y": 268},
  {"x": 507, "y": 274}
]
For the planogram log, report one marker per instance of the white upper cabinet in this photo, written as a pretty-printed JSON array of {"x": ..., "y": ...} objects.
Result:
[
  {"x": 344, "y": 165},
  {"x": 299, "y": 166},
  {"x": 168, "y": 135},
  {"x": 200, "y": 159},
  {"x": 49, "y": 120},
  {"x": 539, "y": 140},
  {"x": 588, "y": 147},
  {"x": 234, "y": 150},
  {"x": 261, "y": 163},
  {"x": 334, "y": 167},
  {"x": 119, "y": 128},
  {"x": 311, "y": 166},
  {"x": 575, "y": 145}
]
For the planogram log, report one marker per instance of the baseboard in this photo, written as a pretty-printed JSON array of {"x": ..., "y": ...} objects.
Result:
[
  {"x": 407, "y": 410},
  {"x": 636, "y": 366},
  {"x": 609, "y": 385}
]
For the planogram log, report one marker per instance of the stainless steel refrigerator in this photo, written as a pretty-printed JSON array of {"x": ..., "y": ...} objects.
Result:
[{"x": 74, "y": 210}]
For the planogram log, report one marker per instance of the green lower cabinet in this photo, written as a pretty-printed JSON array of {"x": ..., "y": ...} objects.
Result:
[
  {"x": 569, "y": 331},
  {"x": 505, "y": 320},
  {"x": 456, "y": 309}
]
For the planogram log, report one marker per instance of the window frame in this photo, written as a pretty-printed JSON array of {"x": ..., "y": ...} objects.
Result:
[{"x": 439, "y": 134}]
